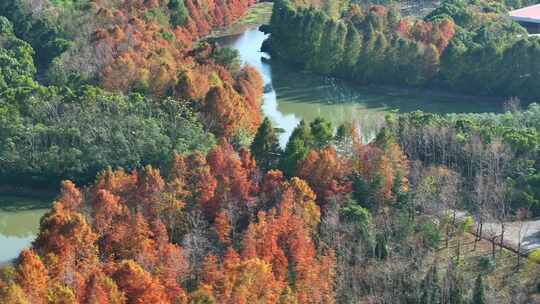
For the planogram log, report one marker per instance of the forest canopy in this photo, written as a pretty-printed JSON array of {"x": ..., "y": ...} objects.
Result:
[
  {"x": 175, "y": 190},
  {"x": 67, "y": 115}
]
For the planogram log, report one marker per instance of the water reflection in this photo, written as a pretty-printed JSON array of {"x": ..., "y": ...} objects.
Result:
[
  {"x": 17, "y": 231},
  {"x": 295, "y": 95}
]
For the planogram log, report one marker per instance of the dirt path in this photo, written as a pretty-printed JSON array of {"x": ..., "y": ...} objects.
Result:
[{"x": 528, "y": 233}]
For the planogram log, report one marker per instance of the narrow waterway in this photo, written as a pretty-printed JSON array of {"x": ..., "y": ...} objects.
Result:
[{"x": 292, "y": 95}]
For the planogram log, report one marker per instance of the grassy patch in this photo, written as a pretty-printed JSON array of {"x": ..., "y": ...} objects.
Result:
[
  {"x": 255, "y": 16},
  {"x": 70, "y": 3}
]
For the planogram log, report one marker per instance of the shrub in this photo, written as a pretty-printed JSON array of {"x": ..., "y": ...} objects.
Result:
[{"x": 486, "y": 263}]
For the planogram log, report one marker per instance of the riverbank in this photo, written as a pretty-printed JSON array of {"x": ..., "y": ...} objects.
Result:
[
  {"x": 13, "y": 203},
  {"x": 14, "y": 198},
  {"x": 292, "y": 95}
]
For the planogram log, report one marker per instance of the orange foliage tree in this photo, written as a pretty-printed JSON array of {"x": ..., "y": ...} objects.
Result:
[
  {"x": 384, "y": 164},
  {"x": 32, "y": 277},
  {"x": 326, "y": 172},
  {"x": 109, "y": 242},
  {"x": 138, "y": 285}
]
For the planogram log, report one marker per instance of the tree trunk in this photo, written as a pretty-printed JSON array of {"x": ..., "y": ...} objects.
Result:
[
  {"x": 519, "y": 255},
  {"x": 447, "y": 236},
  {"x": 481, "y": 229},
  {"x": 493, "y": 246},
  {"x": 458, "y": 249},
  {"x": 502, "y": 236}
]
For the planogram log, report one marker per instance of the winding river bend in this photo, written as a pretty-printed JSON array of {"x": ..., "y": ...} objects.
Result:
[{"x": 291, "y": 95}]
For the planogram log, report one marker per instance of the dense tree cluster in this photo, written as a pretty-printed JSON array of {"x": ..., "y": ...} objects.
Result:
[
  {"x": 354, "y": 222},
  {"x": 207, "y": 233},
  {"x": 490, "y": 151},
  {"x": 462, "y": 45},
  {"x": 53, "y": 26},
  {"x": 129, "y": 46},
  {"x": 148, "y": 46},
  {"x": 50, "y": 133},
  {"x": 169, "y": 94}
]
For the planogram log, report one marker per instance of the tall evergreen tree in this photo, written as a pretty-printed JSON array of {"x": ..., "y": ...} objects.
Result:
[
  {"x": 265, "y": 146},
  {"x": 431, "y": 287},
  {"x": 322, "y": 132},
  {"x": 297, "y": 149},
  {"x": 479, "y": 296},
  {"x": 352, "y": 50},
  {"x": 314, "y": 38},
  {"x": 331, "y": 51}
]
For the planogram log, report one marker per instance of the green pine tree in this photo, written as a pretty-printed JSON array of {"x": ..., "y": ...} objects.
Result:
[
  {"x": 352, "y": 50},
  {"x": 322, "y": 132},
  {"x": 297, "y": 149},
  {"x": 479, "y": 296},
  {"x": 265, "y": 146}
]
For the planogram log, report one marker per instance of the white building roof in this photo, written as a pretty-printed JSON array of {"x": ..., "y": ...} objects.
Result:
[{"x": 527, "y": 14}]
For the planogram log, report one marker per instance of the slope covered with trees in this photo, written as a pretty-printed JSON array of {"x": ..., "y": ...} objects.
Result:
[
  {"x": 354, "y": 222},
  {"x": 176, "y": 191},
  {"x": 206, "y": 233},
  {"x": 465, "y": 46},
  {"x": 146, "y": 90}
]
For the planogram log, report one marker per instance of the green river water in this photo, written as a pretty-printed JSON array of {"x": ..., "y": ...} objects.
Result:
[
  {"x": 291, "y": 96},
  {"x": 18, "y": 228}
]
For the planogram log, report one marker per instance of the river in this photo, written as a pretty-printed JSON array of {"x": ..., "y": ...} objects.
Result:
[
  {"x": 17, "y": 231},
  {"x": 294, "y": 95}
]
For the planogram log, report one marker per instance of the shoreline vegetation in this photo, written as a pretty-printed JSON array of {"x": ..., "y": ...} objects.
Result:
[
  {"x": 437, "y": 93},
  {"x": 14, "y": 199},
  {"x": 469, "y": 47},
  {"x": 260, "y": 15}
]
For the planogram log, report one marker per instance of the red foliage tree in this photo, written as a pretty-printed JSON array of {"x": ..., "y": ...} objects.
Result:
[
  {"x": 101, "y": 289},
  {"x": 239, "y": 280},
  {"x": 446, "y": 31},
  {"x": 67, "y": 244},
  {"x": 326, "y": 172},
  {"x": 227, "y": 112},
  {"x": 223, "y": 228}
]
